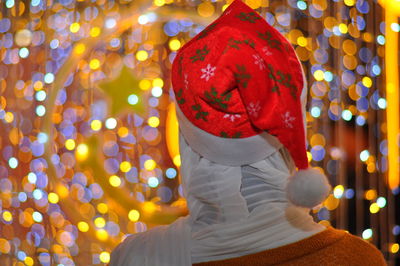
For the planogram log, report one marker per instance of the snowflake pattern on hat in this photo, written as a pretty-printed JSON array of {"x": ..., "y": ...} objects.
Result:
[
  {"x": 254, "y": 108},
  {"x": 259, "y": 61},
  {"x": 232, "y": 117},
  {"x": 266, "y": 51},
  {"x": 186, "y": 81},
  {"x": 288, "y": 119},
  {"x": 208, "y": 72}
]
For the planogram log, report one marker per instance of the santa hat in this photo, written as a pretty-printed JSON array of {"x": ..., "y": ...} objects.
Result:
[{"x": 279, "y": 84}]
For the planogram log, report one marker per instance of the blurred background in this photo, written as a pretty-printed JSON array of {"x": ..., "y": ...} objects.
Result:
[{"x": 89, "y": 144}]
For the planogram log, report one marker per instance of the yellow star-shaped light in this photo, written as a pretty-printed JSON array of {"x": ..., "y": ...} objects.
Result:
[{"x": 124, "y": 93}]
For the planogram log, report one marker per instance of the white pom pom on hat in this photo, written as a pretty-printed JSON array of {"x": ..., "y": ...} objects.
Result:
[{"x": 307, "y": 188}]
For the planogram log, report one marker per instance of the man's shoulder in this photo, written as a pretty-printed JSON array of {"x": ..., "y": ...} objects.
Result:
[{"x": 359, "y": 249}]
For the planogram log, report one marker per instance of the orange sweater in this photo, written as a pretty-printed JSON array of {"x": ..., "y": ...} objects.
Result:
[{"x": 331, "y": 247}]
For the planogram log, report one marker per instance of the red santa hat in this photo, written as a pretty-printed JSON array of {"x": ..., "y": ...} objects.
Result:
[{"x": 272, "y": 95}]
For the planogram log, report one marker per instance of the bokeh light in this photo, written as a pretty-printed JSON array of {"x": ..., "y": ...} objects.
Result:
[{"x": 367, "y": 234}]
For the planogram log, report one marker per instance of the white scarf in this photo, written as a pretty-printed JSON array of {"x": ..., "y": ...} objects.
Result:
[{"x": 237, "y": 205}]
